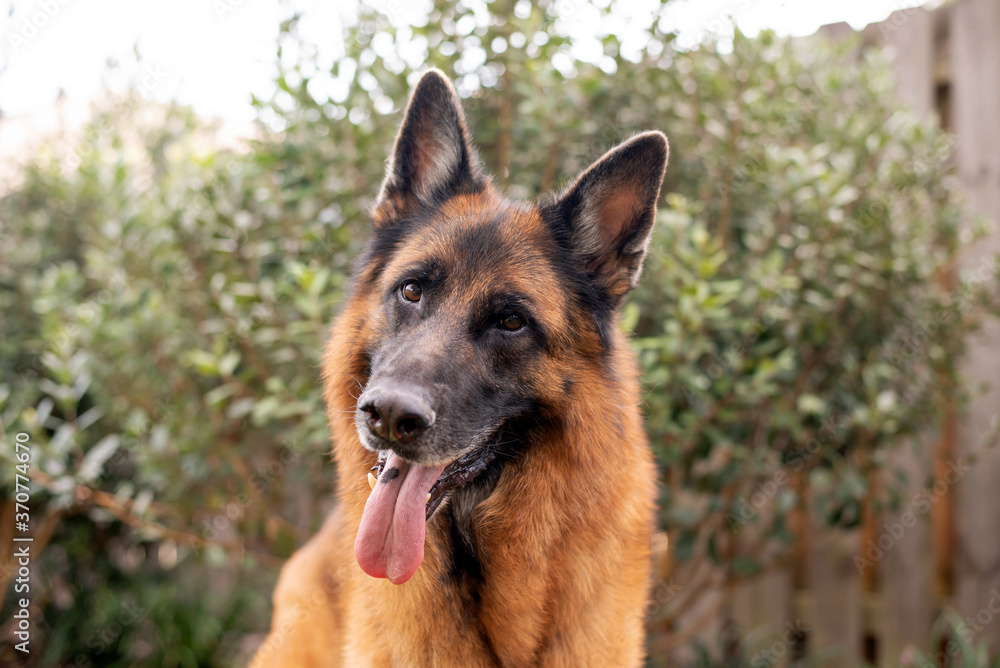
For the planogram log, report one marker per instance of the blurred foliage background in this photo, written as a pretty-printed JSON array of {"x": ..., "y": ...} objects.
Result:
[{"x": 165, "y": 300}]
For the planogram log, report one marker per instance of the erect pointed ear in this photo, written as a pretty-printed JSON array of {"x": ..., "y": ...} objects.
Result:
[
  {"x": 433, "y": 158},
  {"x": 608, "y": 212}
]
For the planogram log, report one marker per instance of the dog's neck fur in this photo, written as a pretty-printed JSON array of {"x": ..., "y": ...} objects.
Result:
[
  {"x": 471, "y": 538},
  {"x": 544, "y": 558}
]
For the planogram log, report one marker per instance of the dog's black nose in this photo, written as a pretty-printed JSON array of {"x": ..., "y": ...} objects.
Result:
[{"x": 396, "y": 414}]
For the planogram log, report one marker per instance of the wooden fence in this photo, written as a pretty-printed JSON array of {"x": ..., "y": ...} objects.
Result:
[{"x": 868, "y": 595}]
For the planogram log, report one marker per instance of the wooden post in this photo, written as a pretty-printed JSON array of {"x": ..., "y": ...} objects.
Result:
[
  {"x": 975, "y": 94},
  {"x": 905, "y": 606}
]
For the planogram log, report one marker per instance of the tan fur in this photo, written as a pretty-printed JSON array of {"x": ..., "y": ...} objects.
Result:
[{"x": 564, "y": 538}]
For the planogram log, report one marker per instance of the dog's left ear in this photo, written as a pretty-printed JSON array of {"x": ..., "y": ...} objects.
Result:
[
  {"x": 609, "y": 211},
  {"x": 433, "y": 158}
]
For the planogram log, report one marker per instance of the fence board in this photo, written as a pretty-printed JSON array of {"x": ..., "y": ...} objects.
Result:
[
  {"x": 762, "y": 609},
  {"x": 975, "y": 59},
  {"x": 906, "y": 603},
  {"x": 833, "y": 609},
  {"x": 910, "y": 35}
]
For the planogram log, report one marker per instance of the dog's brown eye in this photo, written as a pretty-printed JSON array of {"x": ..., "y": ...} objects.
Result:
[
  {"x": 412, "y": 291},
  {"x": 512, "y": 322}
]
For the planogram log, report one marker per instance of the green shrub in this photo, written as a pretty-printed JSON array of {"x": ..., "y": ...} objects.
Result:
[{"x": 165, "y": 303}]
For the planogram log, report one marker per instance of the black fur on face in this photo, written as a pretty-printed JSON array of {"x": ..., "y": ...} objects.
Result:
[
  {"x": 474, "y": 342},
  {"x": 481, "y": 308}
]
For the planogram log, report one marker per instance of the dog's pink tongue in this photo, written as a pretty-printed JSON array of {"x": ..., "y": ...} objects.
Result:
[{"x": 390, "y": 542}]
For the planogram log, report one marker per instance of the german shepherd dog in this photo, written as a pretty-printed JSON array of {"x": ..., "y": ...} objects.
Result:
[{"x": 496, "y": 489}]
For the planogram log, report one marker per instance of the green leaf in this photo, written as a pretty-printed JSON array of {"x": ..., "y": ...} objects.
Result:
[{"x": 90, "y": 467}]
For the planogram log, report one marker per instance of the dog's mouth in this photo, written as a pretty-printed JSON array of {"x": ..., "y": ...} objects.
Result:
[
  {"x": 459, "y": 473},
  {"x": 390, "y": 541}
]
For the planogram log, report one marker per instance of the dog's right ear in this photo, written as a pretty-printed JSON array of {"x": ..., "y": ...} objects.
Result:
[
  {"x": 433, "y": 158},
  {"x": 608, "y": 213}
]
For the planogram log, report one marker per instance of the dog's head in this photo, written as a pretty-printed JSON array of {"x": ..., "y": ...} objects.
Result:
[{"x": 483, "y": 311}]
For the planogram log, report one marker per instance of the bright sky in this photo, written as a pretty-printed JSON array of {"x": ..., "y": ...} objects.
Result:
[{"x": 215, "y": 53}]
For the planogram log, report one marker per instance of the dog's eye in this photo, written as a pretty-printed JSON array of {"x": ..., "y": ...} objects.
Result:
[
  {"x": 512, "y": 322},
  {"x": 411, "y": 291}
]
